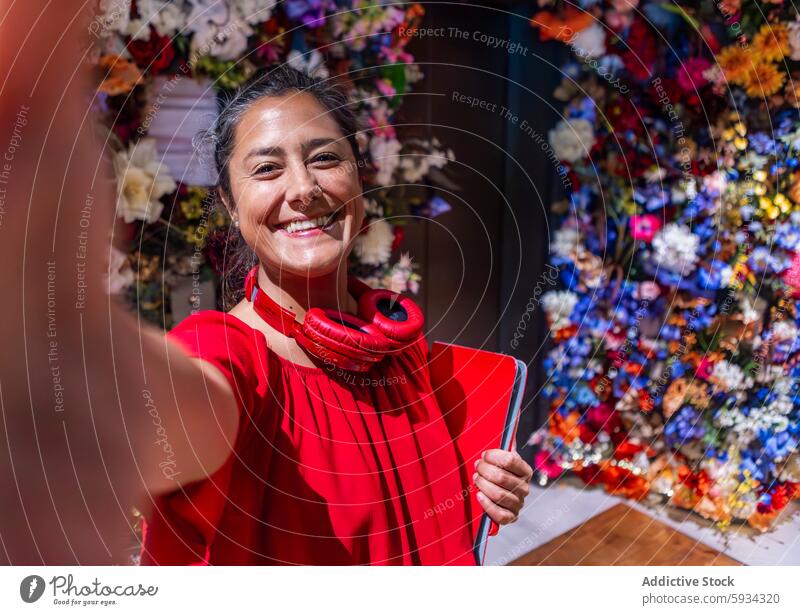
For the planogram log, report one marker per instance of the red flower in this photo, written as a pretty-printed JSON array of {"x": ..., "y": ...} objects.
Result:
[
  {"x": 399, "y": 235},
  {"x": 690, "y": 74},
  {"x": 155, "y": 54},
  {"x": 602, "y": 417},
  {"x": 704, "y": 369},
  {"x": 627, "y": 449},
  {"x": 591, "y": 475},
  {"x": 621, "y": 481},
  {"x": 642, "y": 51},
  {"x": 698, "y": 482},
  {"x": 780, "y": 496}
]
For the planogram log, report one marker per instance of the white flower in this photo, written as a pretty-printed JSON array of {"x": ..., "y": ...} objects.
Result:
[
  {"x": 167, "y": 18},
  {"x": 565, "y": 241},
  {"x": 769, "y": 373},
  {"x": 655, "y": 174},
  {"x": 373, "y": 246},
  {"x": 781, "y": 405},
  {"x": 385, "y": 154},
  {"x": 253, "y": 11},
  {"x": 728, "y": 375},
  {"x": 112, "y": 16},
  {"x": 138, "y": 30},
  {"x": 715, "y": 182},
  {"x": 572, "y": 139},
  {"x": 558, "y": 305},
  {"x": 120, "y": 275},
  {"x": 218, "y": 31},
  {"x": 589, "y": 42},
  {"x": 141, "y": 181},
  {"x": 784, "y": 330},
  {"x": 312, "y": 63},
  {"x": 794, "y": 40},
  {"x": 675, "y": 248},
  {"x": 748, "y": 310}
]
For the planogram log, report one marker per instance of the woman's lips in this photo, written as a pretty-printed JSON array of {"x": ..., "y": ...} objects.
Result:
[{"x": 317, "y": 230}]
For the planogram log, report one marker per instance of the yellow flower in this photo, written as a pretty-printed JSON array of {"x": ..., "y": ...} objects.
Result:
[
  {"x": 771, "y": 43},
  {"x": 191, "y": 208},
  {"x": 783, "y": 203},
  {"x": 734, "y": 63},
  {"x": 764, "y": 80}
]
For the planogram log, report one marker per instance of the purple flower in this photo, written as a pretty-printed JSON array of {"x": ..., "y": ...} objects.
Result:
[{"x": 310, "y": 12}]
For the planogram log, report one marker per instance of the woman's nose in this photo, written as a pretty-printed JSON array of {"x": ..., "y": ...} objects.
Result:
[{"x": 302, "y": 186}]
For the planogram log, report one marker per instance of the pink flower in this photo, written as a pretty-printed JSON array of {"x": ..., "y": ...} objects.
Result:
[
  {"x": 690, "y": 75},
  {"x": 624, "y": 6},
  {"x": 644, "y": 227},
  {"x": 385, "y": 87},
  {"x": 544, "y": 462},
  {"x": 647, "y": 290}
]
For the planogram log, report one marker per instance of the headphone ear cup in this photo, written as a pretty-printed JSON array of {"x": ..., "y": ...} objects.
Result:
[
  {"x": 345, "y": 334},
  {"x": 396, "y": 316}
]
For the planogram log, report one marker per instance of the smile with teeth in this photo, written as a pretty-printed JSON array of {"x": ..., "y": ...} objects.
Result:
[{"x": 297, "y": 226}]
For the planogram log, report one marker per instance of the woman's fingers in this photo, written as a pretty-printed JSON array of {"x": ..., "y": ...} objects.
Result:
[
  {"x": 502, "y": 479},
  {"x": 498, "y": 514},
  {"x": 509, "y": 461},
  {"x": 509, "y": 480},
  {"x": 498, "y": 495}
]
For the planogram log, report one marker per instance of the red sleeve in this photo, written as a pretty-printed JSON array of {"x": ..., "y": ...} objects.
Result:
[
  {"x": 231, "y": 346},
  {"x": 183, "y": 523}
]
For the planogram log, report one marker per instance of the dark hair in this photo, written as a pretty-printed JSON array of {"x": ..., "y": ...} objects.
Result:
[{"x": 219, "y": 139}]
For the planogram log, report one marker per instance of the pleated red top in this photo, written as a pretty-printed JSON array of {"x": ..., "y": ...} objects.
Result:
[{"x": 325, "y": 470}]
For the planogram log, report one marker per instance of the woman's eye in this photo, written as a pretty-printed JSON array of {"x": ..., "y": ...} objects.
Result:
[
  {"x": 326, "y": 157},
  {"x": 265, "y": 168}
]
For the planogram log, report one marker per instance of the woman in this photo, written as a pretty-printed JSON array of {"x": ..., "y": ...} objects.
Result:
[
  {"x": 326, "y": 467},
  {"x": 240, "y": 445}
]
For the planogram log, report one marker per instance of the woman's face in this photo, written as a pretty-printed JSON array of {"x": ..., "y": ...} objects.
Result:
[{"x": 295, "y": 186}]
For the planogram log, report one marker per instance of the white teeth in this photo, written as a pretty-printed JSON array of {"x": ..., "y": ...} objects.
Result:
[{"x": 304, "y": 225}]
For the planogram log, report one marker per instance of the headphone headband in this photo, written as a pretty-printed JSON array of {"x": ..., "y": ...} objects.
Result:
[{"x": 386, "y": 321}]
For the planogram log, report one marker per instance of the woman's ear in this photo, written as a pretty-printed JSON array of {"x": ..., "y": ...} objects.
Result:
[
  {"x": 362, "y": 140},
  {"x": 226, "y": 201}
]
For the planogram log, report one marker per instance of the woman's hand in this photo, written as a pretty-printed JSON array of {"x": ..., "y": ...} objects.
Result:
[{"x": 502, "y": 479}]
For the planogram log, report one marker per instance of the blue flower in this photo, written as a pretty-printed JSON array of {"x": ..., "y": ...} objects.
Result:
[{"x": 684, "y": 426}]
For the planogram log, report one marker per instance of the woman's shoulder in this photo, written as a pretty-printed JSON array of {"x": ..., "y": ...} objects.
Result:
[{"x": 212, "y": 334}]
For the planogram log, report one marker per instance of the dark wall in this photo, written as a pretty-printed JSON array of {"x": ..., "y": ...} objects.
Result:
[{"x": 481, "y": 262}]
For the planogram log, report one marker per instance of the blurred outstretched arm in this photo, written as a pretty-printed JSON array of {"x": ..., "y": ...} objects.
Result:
[{"x": 87, "y": 392}]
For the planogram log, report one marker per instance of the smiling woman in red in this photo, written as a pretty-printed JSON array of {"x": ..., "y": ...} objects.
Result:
[{"x": 335, "y": 451}]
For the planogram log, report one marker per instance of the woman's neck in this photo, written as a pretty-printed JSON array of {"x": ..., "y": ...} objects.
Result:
[{"x": 299, "y": 294}]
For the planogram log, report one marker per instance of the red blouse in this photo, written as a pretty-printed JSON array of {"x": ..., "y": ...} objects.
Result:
[{"x": 326, "y": 469}]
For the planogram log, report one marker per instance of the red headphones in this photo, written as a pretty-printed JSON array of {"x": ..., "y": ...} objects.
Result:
[{"x": 386, "y": 321}]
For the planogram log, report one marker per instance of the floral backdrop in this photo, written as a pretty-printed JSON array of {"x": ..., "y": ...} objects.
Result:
[
  {"x": 674, "y": 363},
  {"x": 148, "y": 52}
]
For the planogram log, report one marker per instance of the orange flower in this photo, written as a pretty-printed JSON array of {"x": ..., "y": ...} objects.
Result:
[
  {"x": 565, "y": 427},
  {"x": 561, "y": 25},
  {"x": 699, "y": 482},
  {"x": 734, "y": 63},
  {"x": 120, "y": 75},
  {"x": 621, "y": 481},
  {"x": 764, "y": 80},
  {"x": 713, "y": 509},
  {"x": 683, "y": 497},
  {"x": 771, "y": 43},
  {"x": 762, "y": 521},
  {"x": 792, "y": 94}
]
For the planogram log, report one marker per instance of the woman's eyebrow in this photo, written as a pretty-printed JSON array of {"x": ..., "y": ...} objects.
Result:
[{"x": 277, "y": 150}]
